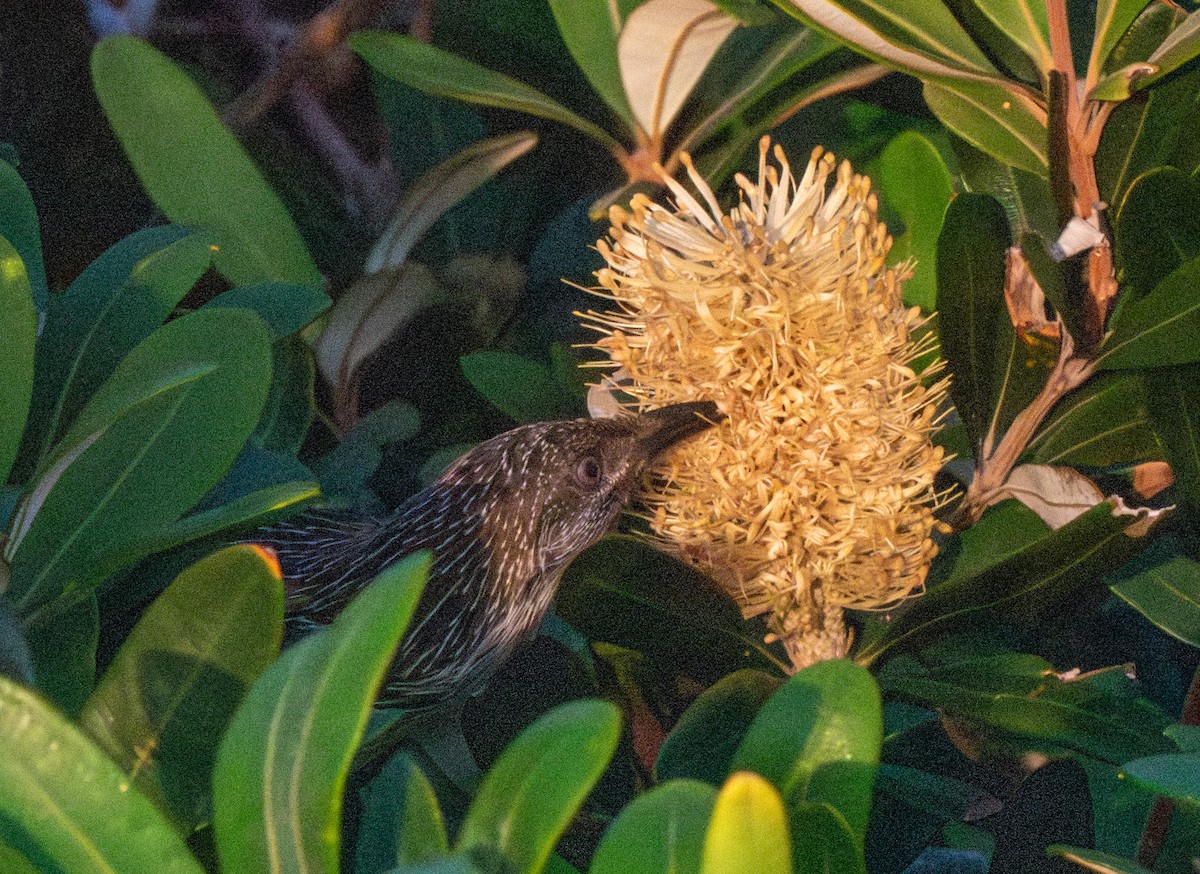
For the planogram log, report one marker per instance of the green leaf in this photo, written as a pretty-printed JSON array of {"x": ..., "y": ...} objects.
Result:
[
  {"x": 539, "y": 782},
  {"x": 1177, "y": 49},
  {"x": 64, "y": 805},
  {"x": 1011, "y": 566},
  {"x": 1165, "y": 588},
  {"x": 623, "y": 591},
  {"x": 590, "y": 32},
  {"x": 344, "y": 470},
  {"x": 994, "y": 120},
  {"x": 290, "y": 406},
  {"x": 430, "y": 69},
  {"x": 401, "y": 821},
  {"x": 704, "y": 740},
  {"x": 63, "y": 649},
  {"x": 1025, "y": 22},
  {"x": 19, "y": 225},
  {"x": 1096, "y": 860},
  {"x": 167, "y": 696},
  {"x": 524, "y": 390},
  {"x": 1103, "y": 423},
  {"x": 970, "y": 301},
  {"x": 818, "y": 739},
  {"x": 1113, "y": 18},
  {"x": 748, "y": 822},
  {"x": 121, "y": 474},
  {"x": 285, "y": 308},
  {"x": 18, "y": 335},
  {"x": 1158, "y": 230},
  {"x": 660, "y": 832},
  {"x": 1175, "y": 775},
  {"x": 193, "y": 167},
  {"x": 421, "y": 835},
  {"x": 924, "y": 39},
  {"x": 1159, "y": 330},
  {"x": 116, "y": 303},
  {"x": 822, "y": 841},
  {"x": 1175, "y": 415},
  {"x": 914, "y": 182},
  {"x": 282, "y": 766}
]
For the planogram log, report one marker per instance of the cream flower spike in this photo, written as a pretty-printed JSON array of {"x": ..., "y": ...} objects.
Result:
[{"x": 817, "y": 492}]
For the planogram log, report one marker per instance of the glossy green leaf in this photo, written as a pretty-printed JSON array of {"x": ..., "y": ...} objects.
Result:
[
  {"x": 118, "y": 301},
  {"x": 421, "y": 833},
  {"x": 818, "y": 739},
  {"x": 63, "y": 648},
  {"x": 167, "y": 696},
  {"x": 590, "y": 32},
  {"x": 1025, "y": 22},
  {"x": 118, "y": 477},
  {"x": 914, "y": 182},
  {"x": 822, "y": 841},
  {"x": 524, "y": 390},
  {"x": 748, "y": 822},
  {"x": 18, "y": 335},
  {"x": 1175, "y": 415},
  {"x": 1159, "y": 330},
  {"x": 401, "y": 821},
  {"x": 1100, "y": 424},
  {"x": 283, "y": 764},
  {"x": 1113, "y": 18},
  {"x": 704, "y": 740},
  {"x": 992, "y": 119},
  {"x": 290, "y": 407},
  {"x": 1175, "y": 775},
  {"x": 1096, "y": 860},
  {"x": 285, "y": 308},
  {"x": 65, "y": 805},
  {"x": 428, "y": 68},
  {"x": 531, "y": 793},
  {"x": 1158, "y": 230},
  {"x": 1166, "y": 591},
  {"x": 970, "y": 301},
  {"x": 1011, "y": 565},
  {"x": 19, "y": 225},
  {"x": 660, "y": 832},
  {"x": 924, "y": 39},
  {"x": 1181, "y": 46},
  {"x": 193, "y": 167},
  {"x": 625, "y": 592}
]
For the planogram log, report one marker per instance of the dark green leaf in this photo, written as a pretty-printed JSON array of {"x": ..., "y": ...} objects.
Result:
[
  {"x": 970, "y": 300},
  {"x": 539, "y": 782},
  {"x": 116, "y": 303},
  {"x": 193, "y": 167},
  {"x": 1096, "y": 860},
  {"x": 937, "y": 794},
  {"x": 1027, "y": 199},
  {"x": 818, "y": 739},
  {"x": 1160, "y": 329},
  {"x": 425, "y": 67},
  {"x": 343, "y": 472},
  {"x": 1175, "y": 415},
  {"x": 914, "y": 181},
  {"x": 288, "y": 412},
  {"x": 401, "y": 820},
  {"x": 1100, "y": 424},
  {"x": 703, "y": 741},
  {"x": 421, "y": 835},
  {"x": 18, "y": 334},
  {"x": 63, "y": 647},
  {"x": 623, "y": 591},
  {"x": 992, "y": 119},
  {"x": 16, "y": 662},
  {"x": 590, "y": 32},
  {"x": 524, "y": 390},
  {"x": 1006, "y": 569},
  {"x": 285, "y": 308},
  {"x": 1165, "y": 588},
  {"x": 1113, "y": 18},
  {"x": 19, "y": 225},
  {"x": 659, "y": 832},
  {"x": 283, "y": 764},
  {"x": 121, "y": 474},
  {"x": 748, "y": 822},
  {"x": 164, "y": 702},
  {"x": 1175, "y": 775},
  {"x": 822, "y": 841},
  {"x": 1158, "y": 230},
  {"x": 66, "y": 806}
]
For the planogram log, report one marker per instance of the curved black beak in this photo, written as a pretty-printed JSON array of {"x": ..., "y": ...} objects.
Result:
[{"x": 659, "y": 430}]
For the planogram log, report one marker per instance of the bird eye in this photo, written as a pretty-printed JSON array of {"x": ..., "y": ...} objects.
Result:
[{"x": 588, "y": 472}]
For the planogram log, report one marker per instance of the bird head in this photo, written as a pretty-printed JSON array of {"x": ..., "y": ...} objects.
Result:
[{"x": 560, "y": 486}]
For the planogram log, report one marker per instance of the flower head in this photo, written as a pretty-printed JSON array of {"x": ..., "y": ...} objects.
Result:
[{"x": 816, "y": 493}]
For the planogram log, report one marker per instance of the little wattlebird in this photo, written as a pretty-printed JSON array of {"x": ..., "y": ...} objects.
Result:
[{"x": 503, "y": 522}]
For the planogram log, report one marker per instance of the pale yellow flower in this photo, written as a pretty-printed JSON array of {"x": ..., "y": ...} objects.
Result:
[{"x": 816, "y": 493}]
